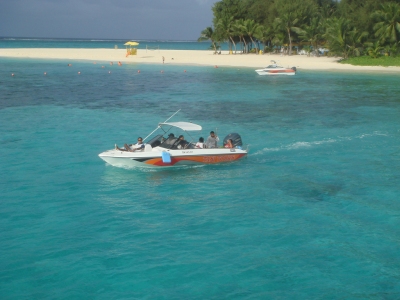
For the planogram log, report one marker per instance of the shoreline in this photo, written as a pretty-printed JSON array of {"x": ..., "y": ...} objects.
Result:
[{"x": 190, "y": 57}]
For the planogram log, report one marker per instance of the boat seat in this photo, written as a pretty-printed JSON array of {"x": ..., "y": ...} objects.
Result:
[
  {"x": 147, "y": 148},
  {"x": 156, "y": 143}
]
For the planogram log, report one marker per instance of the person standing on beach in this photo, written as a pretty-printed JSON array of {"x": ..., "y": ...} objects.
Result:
[
  {"x": 212, "y": 140},
  {"x": 163, "y": 59}
]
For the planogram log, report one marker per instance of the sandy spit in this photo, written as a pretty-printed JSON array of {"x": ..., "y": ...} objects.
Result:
[{"x": 189, "y": 57}]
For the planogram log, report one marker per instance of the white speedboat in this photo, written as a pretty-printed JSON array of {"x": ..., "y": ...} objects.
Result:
[
  {"x": 161, "y": 150},
  {"x": 274, "y": 69}
]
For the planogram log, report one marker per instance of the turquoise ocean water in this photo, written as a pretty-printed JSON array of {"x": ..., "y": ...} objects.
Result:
[
  {"x": 313, "y": 212},
  {"x": 7, "y": 42}
]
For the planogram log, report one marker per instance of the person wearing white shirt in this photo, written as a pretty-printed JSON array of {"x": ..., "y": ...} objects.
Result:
[
  {"x": 132, "y": 148},
  {"x": 200, "y": 143}
]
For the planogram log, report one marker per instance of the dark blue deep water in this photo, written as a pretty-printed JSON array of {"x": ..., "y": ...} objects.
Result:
[{"x": 313, "y": 212}]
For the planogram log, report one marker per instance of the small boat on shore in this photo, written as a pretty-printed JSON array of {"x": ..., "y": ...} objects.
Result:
[
  {"x": 274, "y": 69},
  {"x": 164, "y": 150}
]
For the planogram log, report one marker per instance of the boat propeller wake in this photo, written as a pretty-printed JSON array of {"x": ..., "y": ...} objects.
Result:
[{"x": 300, "y": 145}]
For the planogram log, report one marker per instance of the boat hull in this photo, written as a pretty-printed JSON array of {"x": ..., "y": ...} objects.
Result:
[
  {"x": 276, "y": 72},
  {"x": 154, "y": 159}
]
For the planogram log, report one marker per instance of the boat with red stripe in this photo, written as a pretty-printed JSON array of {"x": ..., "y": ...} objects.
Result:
[
  {"x": 165, "y": 150},
  {"x": 275, "y": 69}
]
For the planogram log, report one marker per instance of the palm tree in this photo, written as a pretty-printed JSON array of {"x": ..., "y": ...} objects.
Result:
[
  {"x": 239, "y": 30},
  {"x": 225, "y": 27},
  {"x": 355, "y": 41},
  {"x": 391, "y": 49},
  {"x": 327, "y": 10},
  {"x": 388, "y": 26},
  {"x": 337, "y": 33},
  {"x": 287, "y": 22},
  {"x": 311, "y": 33},
  {"x": 208, "y": 34},
  {"x": 374, "y": 49},
  {"x": 394, "y": 49},
  {"x": 265, "y": 34},
  {"x": 278, "y": 39},
  {"x": 251, "y": 28}
]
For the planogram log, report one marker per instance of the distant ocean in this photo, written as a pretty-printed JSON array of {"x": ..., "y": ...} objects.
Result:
[
  {"x": 313, "y": 212},
  {"x": 98, "y": 43}
]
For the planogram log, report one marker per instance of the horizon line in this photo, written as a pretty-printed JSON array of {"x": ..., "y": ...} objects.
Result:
[{"x": 95, "y": 39}]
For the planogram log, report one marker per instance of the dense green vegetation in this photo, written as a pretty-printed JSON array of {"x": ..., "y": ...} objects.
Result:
[
  {"x": 384, "y": 61},
  {"x": 348, "y": 28}
]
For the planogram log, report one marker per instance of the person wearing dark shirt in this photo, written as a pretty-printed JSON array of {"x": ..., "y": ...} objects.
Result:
[{"x": 181, "y": 144}]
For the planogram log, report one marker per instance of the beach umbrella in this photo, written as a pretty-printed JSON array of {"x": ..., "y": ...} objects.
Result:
[{"x": 131, "y": 43}]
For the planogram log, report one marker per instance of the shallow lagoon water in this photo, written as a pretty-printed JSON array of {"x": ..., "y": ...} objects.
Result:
[{"x": 311, "y": 213}]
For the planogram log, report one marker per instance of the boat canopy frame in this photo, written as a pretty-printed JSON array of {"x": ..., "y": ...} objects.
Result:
[{"x": 185, "y": 126}]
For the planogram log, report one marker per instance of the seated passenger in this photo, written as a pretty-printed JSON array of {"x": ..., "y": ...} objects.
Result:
[
  {"x": 181, "y": 143},
  {"x": 170, "y": 140},
  {"x": 200, "y": 143},
  {"x": 139, "y": 146},
  {"x": 229, "y": 144}
]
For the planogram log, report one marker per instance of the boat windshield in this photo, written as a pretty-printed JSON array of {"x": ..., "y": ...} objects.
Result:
[
  {"x": 169, "y": 142},
  {"x": 156, "y": 140}
]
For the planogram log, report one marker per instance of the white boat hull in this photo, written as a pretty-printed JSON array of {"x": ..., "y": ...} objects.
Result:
[
  {"x": 153, "y": 158},
  {"x": 276, "y": 72}
]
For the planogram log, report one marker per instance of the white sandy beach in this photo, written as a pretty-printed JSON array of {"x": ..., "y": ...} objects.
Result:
[{"x": 189, "y": 57}]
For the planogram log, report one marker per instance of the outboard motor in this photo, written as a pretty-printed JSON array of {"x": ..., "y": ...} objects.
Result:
[
  {"x": 294, "y": 69},
  {"x": 236, "y": 139}
]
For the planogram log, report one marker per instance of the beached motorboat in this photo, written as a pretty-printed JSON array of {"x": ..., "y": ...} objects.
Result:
[
  {"x": 161, "y": 150},
  {"x": 274, "y": 69}
]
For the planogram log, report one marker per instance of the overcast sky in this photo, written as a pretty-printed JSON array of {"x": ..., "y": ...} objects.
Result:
[{"x": 108, "y": 19}]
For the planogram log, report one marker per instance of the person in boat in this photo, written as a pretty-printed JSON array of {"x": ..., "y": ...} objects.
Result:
[
  {"x": 200, "y": 143},
  {"x": 181, "y": 144},
  {"x": 169, "y": 141},
  {"x": 132, "y": 148},
  {"x": 229, "y": 144},
  {"x": 212, "y": 140}
]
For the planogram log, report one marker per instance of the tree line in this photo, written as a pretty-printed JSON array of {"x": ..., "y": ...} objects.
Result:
[{"x": 347, "y": 27}]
